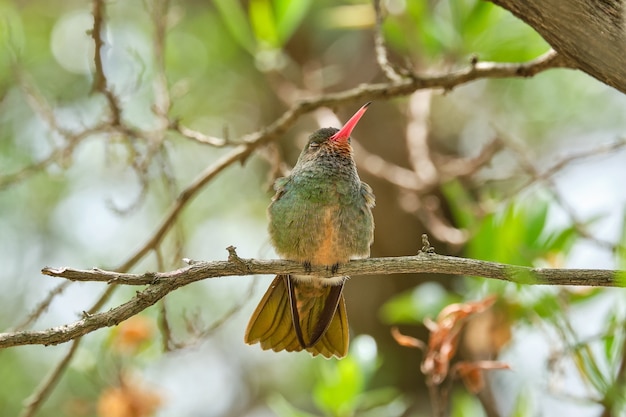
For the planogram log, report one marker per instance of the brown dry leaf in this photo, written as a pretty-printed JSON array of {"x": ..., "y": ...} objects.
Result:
[
  {"x": 444, "y": 337},
  {"x": 473, "y": 379},
  {"x": 128, "y": 400},
  {"x": 77, "y": 407},
  {"x": 407, "y": 341},
  {"x": 501, "y": 332},
  {"x": 131, "y": 334},
  {"x": 472, "y": 373},
  {"x": 459, "y": 311},
  {"x": 485, "y": 334}
]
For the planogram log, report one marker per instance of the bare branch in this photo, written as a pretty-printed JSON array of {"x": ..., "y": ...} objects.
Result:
[
  {"x": 420, "y": 263},
  {"x": 527, "y": 164},
  {"x": 197, "y": 136},
  {"x": 168, "y": 341},
  {"x": 43, "y": 305},
  {"x": 379, "y": 44},
  {"x": 366, "y": 92},
  {"x": 34, "y": 402},
  {"x": 163, "y": 101},
  {"x": 100, "y": 83},
  {"x": 465, "y": 167},
  {"x": 160, "y": 284},
  {"x": 417, "y": 131}
]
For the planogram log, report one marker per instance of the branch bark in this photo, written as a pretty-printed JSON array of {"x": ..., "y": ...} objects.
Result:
[
  {"x": 161, "y": 283},
  {"x": 589, "y": 33}
]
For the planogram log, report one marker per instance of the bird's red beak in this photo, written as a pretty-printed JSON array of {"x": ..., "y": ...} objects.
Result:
[{"x": 344, "y": 133}]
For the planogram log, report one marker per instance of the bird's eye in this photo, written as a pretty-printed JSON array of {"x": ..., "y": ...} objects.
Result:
[{"x": 314, "y": 145}]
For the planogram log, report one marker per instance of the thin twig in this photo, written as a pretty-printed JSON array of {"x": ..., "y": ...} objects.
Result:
[
  {"x": 167, "y": 340},
  {"x": 100, "y": 82},
  {"x": 163, "y": 102},
  {"x": 42, "y": 306},
  {"x": 45, "y": 387},
  {"x": 569, "y": 159},
  {"x": 363, "y": 93},
  {"x": 529, "y": 167},
  {"x": 417, "y": 146},
  {"x": 436, "y": 402},
  {"x": 197, "y": 136},
  {"x": 195, "y": 327},
  {"x": 382, "y": 55}
]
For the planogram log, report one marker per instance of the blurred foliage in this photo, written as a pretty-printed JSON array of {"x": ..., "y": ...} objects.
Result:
[
  {"x": 465, "y": 405},
  {"x": 229, "y": 66},
  {"x": 459, "y": 28},
  {"x": 268, "y": 24},
  {"x": 423, "y": 301},
  {"x": 341, "y": 389}
]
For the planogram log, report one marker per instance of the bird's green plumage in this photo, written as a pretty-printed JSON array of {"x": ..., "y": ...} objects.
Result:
[
  {"x": 320, "y": 215},
  {"x": 323, "y": 191}
]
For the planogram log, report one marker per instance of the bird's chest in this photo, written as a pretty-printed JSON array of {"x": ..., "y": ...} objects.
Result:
[
  {"x": 328, "y": 249},
  {"x": 309, "y": 225}
]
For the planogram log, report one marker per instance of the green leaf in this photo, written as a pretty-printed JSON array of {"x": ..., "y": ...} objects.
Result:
[
  {"x": 516, "y": 234},
  {"x": 289, "y": 15},
  {"x": 561, "y": 240},
  {"x": 377, "y": 398},
  {"x": 236, "y": 22},
  {"x": 536, "y": 215},
  {"x": 455, "y": 192},
  {"x": 263, "y": 23},
  {"x": 480, "y": 16},
  {"x": 339, "y": 387},
  {"x": 466, "y": 405},
  {"x": 523, "y": 405},
  {"x": 613, "y": 338},
  {"x": 588, "y": 367}
]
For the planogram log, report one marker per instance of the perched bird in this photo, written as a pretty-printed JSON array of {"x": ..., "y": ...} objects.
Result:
[{"x": 320, "y": 215}]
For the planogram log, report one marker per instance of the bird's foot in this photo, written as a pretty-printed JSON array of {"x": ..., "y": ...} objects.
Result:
[
  {"x": 334, "y": 268},
  {"x": 307, "y": 266}
]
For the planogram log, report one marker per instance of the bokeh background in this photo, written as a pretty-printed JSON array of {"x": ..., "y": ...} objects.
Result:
[{"x": 73, "y": 195}]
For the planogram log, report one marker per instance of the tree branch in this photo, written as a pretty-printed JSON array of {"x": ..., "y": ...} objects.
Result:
[
  {"x": 162, "y": 283},
  {"x": 100, "y": 82},
  {"x": 33, "y": 403},
  {"x": 417, "y": 264},
  {"x": 589, "y": 33}
]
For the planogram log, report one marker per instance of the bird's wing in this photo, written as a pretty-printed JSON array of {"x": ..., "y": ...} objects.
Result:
[
  {"x": 280, "y": 186},
  {"x": 368, "y": 195}
]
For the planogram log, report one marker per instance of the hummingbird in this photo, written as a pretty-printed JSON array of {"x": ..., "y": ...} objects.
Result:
[{"x": 320, "y": 215}]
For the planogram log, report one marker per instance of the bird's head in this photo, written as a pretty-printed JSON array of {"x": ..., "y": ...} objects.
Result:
[{"x": 330, "y": 141}]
